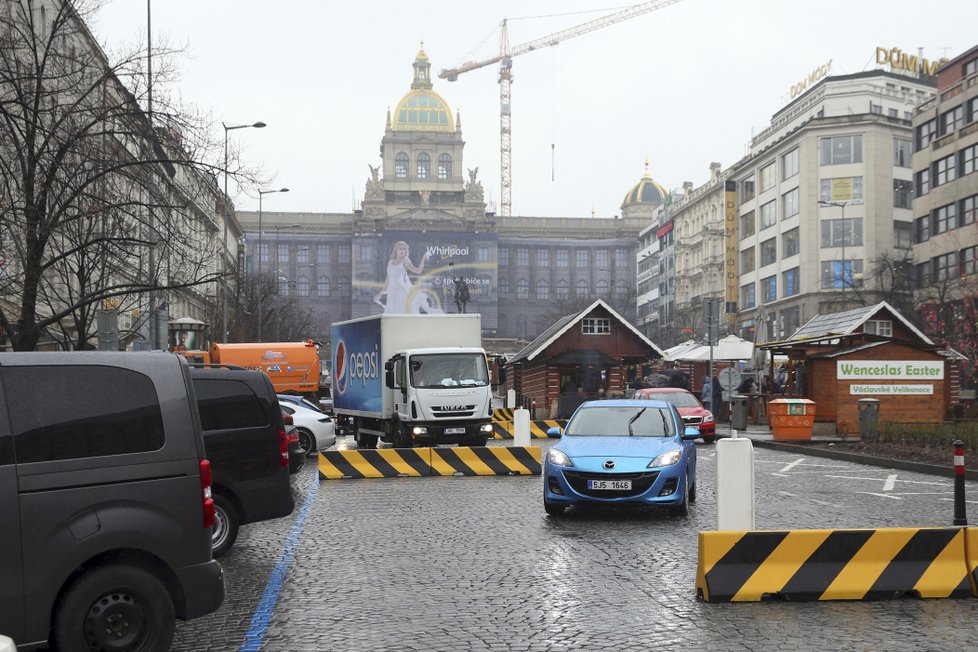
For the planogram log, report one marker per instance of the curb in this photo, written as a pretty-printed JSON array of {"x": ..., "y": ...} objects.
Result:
[{"x": 903, "y": 465}]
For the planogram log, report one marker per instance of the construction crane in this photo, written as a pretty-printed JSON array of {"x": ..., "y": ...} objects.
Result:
[{"x": 505, "y": 60}]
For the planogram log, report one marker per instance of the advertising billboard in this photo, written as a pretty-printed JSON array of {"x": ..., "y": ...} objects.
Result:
[
  {"x": 357, "y": 373},
  {"x": 411, "y": 272}
]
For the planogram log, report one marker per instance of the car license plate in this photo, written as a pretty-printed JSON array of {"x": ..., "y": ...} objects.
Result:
[
  {"x": 609, "y": 485},
  {"x": 454, "y": 431}
]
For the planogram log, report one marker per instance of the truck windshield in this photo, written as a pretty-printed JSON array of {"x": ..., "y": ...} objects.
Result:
[{"x": 449, "y": 370}]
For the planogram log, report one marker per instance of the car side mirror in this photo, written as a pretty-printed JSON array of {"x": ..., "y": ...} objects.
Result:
[
  {"x": 554, "y": 433},
  {"x": 691, "y": 433}
]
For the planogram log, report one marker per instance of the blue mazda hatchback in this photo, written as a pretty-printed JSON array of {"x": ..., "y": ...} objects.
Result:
[{"x": 622, "y": 451}]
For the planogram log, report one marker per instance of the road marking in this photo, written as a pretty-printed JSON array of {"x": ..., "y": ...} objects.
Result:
[
  {"x": 792, "y": 465},
  {"x": 973, "y": 502},
  {"x": 857, "y": 477},
  {"x": 870, "y": 493},
  {"x": 266, "y": 605},
  {"x": 824, "y": 502},
  {"x": 890, "y": 482},
  {"x": 785, "y": 493}
]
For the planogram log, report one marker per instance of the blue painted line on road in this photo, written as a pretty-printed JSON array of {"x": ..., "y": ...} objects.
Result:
[{"x": 266, "y": 606}]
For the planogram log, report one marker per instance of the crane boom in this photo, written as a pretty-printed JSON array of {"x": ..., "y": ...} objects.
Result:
[{"x": 504, "y": 59}]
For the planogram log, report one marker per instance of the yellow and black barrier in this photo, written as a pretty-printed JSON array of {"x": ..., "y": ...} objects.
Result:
[
  {"x": 423, "y": 462},
  {"x": 872, "y": 564},
  {"x": 503, "y": 414},
  {"x": 538, "y": 429}
]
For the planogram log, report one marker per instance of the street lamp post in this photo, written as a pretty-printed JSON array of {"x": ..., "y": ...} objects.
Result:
[
  {"x": 224, "y": 242},
  {"x": 845, "y": 237},
  {"x": 258, "y": 287}
]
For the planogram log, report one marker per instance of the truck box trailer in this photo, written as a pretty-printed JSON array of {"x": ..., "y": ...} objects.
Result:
[{"x": 412, "y": 379}]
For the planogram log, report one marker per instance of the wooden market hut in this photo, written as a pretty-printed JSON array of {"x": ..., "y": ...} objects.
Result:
[
  {"x": 581, "y": 357},
  {"x": 837, "y": 359}
]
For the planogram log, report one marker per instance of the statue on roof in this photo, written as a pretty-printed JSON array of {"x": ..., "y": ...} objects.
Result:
[
  {"x": 473, "y": 189},
  {"x": 375, "y": 187}
]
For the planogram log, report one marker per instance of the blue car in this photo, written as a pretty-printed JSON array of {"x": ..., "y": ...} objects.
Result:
[{"x": 622, "y": 451}]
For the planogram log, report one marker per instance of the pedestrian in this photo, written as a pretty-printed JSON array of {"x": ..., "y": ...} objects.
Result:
[
  {"x": 746, "y": 386},
  {"x": 706, "y": 394},
  {"x": 717, "y": 395}
]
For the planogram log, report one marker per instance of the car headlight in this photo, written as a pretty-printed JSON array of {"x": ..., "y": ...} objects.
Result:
[
  {"x": 486, "y": 428},
  {"x": 559, "y": 458},
  {"x": 708, "y": 417},
  {"x": 666, "y": 459}
]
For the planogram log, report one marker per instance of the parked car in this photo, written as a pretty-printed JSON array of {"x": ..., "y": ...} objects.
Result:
[
  {"x": 105, "y": 504},
  {"x": 316, "y": 430},
  {"x": 690, "y": 409},
  {"x": 301, "y": 400},
  {"x": 297, "y": 456},
  {"x": 247, "y": 446},
  {"x": 622, "y": 451}
]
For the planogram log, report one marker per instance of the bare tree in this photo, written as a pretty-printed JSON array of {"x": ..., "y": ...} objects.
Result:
[{"x": 91, "y": 187}]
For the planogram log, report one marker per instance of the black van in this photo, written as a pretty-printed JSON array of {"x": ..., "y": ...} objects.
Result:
[
  {"x": 248, "y": 448},
  {"x": 105, "y": 504}
]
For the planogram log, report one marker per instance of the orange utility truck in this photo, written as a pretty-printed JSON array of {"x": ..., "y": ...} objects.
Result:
[{"x": 293, "y": 367}]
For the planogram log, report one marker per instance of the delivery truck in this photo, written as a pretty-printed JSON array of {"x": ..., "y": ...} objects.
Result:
[{"x": 412, "y": 380}]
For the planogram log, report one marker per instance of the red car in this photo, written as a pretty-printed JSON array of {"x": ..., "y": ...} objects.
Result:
[{"x": 690, "y": 409}]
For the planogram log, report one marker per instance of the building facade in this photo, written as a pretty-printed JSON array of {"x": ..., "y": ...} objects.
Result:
[{"x": 823, "y": 200}]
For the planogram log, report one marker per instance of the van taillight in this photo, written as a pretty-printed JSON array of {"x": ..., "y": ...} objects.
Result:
[
  {"x": 283, "y": 449},
  {"x": 205, "y": 490}
]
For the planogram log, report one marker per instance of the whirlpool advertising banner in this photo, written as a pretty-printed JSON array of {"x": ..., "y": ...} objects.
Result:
[{"x": 410, "y": 272}]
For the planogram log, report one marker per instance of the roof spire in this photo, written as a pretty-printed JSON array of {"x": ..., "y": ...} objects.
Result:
[
  {"x": 422, "y": 70},
  {"x": 646, "y": 168}
]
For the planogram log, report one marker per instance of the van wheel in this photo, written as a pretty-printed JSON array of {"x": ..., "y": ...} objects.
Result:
[
  {"x": 307, "y": 441},
  {"x": 225, "y": 526},
  {"x": 115, "y": 607}
]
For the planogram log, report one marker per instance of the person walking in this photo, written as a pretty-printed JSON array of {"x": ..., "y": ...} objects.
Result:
[{"x": 706, "y": 394}]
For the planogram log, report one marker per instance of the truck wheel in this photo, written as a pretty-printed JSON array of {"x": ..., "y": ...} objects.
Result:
[
  {"x": 116, "y": 607},
  {"x": 366, "y": 441},
  {"x": 402, "y": 438}
]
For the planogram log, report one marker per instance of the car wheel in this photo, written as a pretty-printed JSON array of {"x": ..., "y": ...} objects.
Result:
[
  {"x": 225, "y": 526},
  {"x": 682, "y": 509},
  {"x": 692, "y": 493},
  {"x": 553, "y": 509},
  {"x": 116, "y": 607},
  {"x": 307, "y": 441},
  {"x": 710, "y": 440}
]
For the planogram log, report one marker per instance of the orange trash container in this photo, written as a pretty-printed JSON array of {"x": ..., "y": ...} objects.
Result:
[{"x": 792, "y": 418}]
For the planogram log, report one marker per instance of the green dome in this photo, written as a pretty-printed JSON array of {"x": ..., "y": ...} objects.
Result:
[{"x": 646, "y": 191}]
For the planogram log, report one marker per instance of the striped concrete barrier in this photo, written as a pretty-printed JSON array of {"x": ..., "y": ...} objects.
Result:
[
  {"x": 503, "y": 414},
  {"x": 873, "y": 564},
  {"x": 538, "y": 429},
  {"x": 426, "y": 462}
]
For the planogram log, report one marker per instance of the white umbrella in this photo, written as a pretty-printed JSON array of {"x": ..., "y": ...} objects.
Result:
[
  {"x": 679, "y": 351},
  {"x": 730, "y": 347}
]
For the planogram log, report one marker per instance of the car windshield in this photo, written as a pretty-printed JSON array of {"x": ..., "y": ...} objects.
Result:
[
  {"x": 622, "y": 421},
  {"x": 679, "y": 399},
  {"x": 449, "y": 370}
]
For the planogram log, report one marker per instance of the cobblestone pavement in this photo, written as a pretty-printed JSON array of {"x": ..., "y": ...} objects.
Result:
[{"x": 473, "y": 563}]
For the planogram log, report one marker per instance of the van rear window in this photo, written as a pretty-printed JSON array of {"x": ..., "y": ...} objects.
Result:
[
  {"x": 69, "y": 412},
  {"x": 227, "y": 404}
]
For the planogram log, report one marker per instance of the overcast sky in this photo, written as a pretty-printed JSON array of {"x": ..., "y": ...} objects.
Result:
[{"x": 683, "y": 85}]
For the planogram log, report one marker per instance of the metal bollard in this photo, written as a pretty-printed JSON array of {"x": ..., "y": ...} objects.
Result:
[{"x": 959, "y": 514}]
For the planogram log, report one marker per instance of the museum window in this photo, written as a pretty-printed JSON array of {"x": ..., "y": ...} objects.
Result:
[
  {"x": 322, "y": 254},
  {"x": 302, "y": 254},
  {"x": 583, "y": 289},
  {"x": 789, "y": 164},
  {"x": 283, "y": 253},
  {"x": 790, "y": 244},
  {"x": 401, "y": 165},
  {"x": 563, "y": 258},
  {"x": 563, "y": 291},
  {"x": 902, "y": 193},
  {"x": 601, "y": 258},
  {"x": 343, "y": 286},
  {"x": 283, "y": 286},
  {"x": 601, "y": 288},
  {"x": 543, "y": 257},
  {"x": 769, "y": 252},
  {"x": 482, "y": 254},
  {"x": 263, "y": 252},
  {"x": 503, "y": 256},
  {"x": 543, "y": 290},
  {"x": 503, "y": 286},
  {"x": 522, "y": 289},
  {"x": 344, "y": 253},
  {"x": 444, "y": 166},
  {"x": 621, "y": 288},
  {"x": 580, "y": 258},
  {"x": 424, "y": 165},
  {"x": 303, "y": 286},
  {"x": 621, "y": 259},
  {"x": 522, "y": 257},
  {"x": 322, "y": 288},
  {"x": 839, "y": 150}
]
